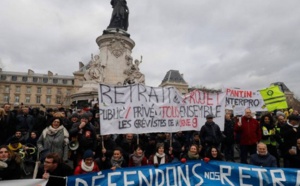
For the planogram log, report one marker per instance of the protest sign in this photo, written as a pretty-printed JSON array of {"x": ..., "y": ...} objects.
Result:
[
  {"x": 142, "y": 109},
  {"x": 243, "y": 98}
]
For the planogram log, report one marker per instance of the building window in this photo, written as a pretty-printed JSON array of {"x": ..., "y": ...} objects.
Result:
[
  {"x": 6, "y": 98},
  {"x": 17, "y": 99},
  {"x": 68, "y": 92},
  {"x": 58, "y": 100},
  {"x": 45, "y": 80},
  {"x": 27, "y": 99},
  {"x": 6, "y": 89},
  {"x": 59, "y": 91},
  {"x": 28, "y": 90},
  {"x": 3, "y": 77},
  {"x": 18, "y": 89},
  {"x": 24, "y": 79},
  {"x": 38, "y": 99},
  {"x": 35, "y": 79},
  {"x": 65, "y": 81},
  {"x": 48, "y": 90},
  {"x": 39, "y": 90},
  {"x": 55, "y": 80},
  {"x": 14, "y": 78},
  {"x": 48, "y": 99}
]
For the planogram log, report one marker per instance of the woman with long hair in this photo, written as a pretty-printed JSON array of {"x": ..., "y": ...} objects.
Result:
[
  {"x": 9, "y": 164},
  {"x": 192, "y": 154}
]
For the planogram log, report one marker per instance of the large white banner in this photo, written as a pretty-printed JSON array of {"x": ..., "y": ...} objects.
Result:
[
  {"x": 142, "y": 109},
  {"x": 240, "y": 99}
]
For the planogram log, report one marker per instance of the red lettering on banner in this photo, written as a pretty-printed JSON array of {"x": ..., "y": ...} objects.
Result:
[
  {"x": 239, "y": 93},
  {"x": 170, "y": 112},
  {"x": 199, "y": 97},
  {"x": 189, "y": 122}
]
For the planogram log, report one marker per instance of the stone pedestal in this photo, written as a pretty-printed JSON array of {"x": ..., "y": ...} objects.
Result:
[
  {"x": 115, "y": 59},
  {"x": 114, "y": 50}
]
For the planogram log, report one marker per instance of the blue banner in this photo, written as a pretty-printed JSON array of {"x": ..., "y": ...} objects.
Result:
[{"x": 190, "y": 173}]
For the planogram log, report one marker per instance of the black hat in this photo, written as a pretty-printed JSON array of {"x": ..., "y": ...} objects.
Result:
[
  {"x": 88, "y": 154},
  {"x": 209, "y": 116},
  {"x": 14, "y": 140},
  {"x": 85, "y": 116},
  {"x": 293, "y": 117},
  {"x": 75, "y": 115}
]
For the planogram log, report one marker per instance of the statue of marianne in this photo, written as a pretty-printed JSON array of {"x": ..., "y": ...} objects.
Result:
[{"x": 119, "y": 17}]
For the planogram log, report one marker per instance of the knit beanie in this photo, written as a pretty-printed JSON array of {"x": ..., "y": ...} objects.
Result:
[{"x": 88, "y": 154}]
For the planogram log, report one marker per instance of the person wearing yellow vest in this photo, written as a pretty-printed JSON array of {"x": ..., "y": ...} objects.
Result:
[{"x": 270, "y": 135}]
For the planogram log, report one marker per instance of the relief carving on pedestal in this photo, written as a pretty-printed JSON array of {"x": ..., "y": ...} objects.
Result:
[
  {"x": 134, "y": 76},
  {"x": 95, "y": 70},
  {"x": 117, "y": 46}
]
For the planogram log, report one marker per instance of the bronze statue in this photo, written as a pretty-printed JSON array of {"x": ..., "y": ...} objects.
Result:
[{"x": 119, "y": 17}]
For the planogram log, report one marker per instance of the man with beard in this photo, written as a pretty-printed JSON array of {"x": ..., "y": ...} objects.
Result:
[{"x": 210, "y": 134}]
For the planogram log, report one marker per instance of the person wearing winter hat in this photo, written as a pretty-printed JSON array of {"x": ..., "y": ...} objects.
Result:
[{"x": 87, "y": 164}]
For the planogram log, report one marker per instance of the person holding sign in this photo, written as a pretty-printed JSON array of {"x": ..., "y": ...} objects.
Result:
[
  {"x": 87, "y": 164},
  {"x": 250, "y": 134},
  {"x": 160, "y": 157},
  {"x": 192, "y": 154},
  {"x": 262, "y": 157},
  {"x": 54, "y": 170},
  {"x": 137, "y": 158},
  {"x": 117, "y": 160}
]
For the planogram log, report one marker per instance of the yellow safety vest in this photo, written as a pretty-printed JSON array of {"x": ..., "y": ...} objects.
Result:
[
  {"x": 273, "y": 98},
  {"x": 270, "y": 140}
]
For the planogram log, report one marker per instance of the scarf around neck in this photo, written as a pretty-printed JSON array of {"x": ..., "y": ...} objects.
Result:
[
  {"x": 193, "y": 156},
  {"x": 137, "y": 160},
  {"x": 117, "y": 163},
  {"x": 52, "y": 131},
  {"x": 162, "y": 158},
  {"x": 85, "y": 167}
]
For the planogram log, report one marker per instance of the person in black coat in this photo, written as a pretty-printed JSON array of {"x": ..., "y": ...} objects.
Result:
[
  {"x": 9, "y": 164},
  {"x": 210, "y": 134},
  {"x": 228, "y": 142},
  {"x": 85, "y": 135},
  {"x": 290, "y": 133},
  {"x": 54, "y": 170}
]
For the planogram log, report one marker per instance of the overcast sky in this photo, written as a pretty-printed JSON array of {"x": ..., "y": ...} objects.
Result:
[{"x": 246, "y": 44}]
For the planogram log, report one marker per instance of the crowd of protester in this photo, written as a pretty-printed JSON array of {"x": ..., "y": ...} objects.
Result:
[{"x": 68, "y": 142}]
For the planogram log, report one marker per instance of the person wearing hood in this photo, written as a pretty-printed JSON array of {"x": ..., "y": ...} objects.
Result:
[
  {"x": 87, "y": 164},
  {"x": 290, "y": 133},
  {"x": 263, "y": 158},
  {"x": 210, "y": 134}
]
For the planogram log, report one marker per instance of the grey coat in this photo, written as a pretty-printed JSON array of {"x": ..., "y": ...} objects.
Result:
[{"x": 55, "y": 143}]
